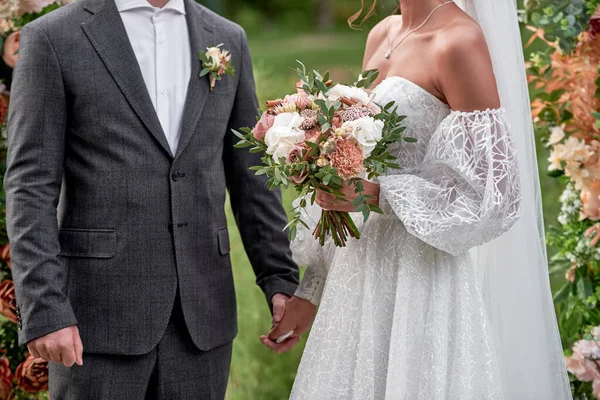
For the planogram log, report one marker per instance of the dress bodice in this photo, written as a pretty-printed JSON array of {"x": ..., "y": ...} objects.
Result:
[{"x": 424, "y": 112}]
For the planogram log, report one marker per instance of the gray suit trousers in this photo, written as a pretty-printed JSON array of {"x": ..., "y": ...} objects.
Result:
[{"x": 175, "y": 370}]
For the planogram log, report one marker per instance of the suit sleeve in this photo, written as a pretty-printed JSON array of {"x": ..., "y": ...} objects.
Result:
[
  {"x": 36, "y": 146},
  {"x": 258, "y": 211}
]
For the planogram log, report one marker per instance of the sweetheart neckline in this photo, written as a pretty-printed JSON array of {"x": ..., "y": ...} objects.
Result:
[{"x": 416, "y": 85}]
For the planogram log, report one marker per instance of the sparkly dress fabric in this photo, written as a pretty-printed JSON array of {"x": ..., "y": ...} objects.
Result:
[{"x": 401, "y": 316}]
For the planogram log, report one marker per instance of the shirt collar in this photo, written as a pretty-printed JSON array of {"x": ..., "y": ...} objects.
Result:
[{"x": 126, "y": 5}]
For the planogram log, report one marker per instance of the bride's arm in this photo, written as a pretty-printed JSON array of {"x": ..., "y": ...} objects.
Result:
[
  {"x": 463, "y": 69},
  {"x": 468, "y": 190}
]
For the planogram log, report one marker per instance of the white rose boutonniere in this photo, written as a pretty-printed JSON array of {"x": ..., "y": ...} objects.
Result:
[{"x": 216, "y": 62}]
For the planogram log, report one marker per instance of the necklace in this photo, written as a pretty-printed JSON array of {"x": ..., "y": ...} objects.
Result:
[{"x": 393, "y": 47}]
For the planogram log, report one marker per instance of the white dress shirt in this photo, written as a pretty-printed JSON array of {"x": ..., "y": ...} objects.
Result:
[{"x": 161, "y": 42}]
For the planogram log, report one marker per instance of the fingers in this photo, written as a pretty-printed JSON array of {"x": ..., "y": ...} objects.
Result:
[
  {"x": 33, "y": 350},
  {"x": 280, "y": 347},
  {"x": 78, "y": 346},
  {"x": 284, "y": 327},
  {"x": 61, "y": 347},
  {"x": 278, "y": 308},
  {"x": 68, "y": 357}
]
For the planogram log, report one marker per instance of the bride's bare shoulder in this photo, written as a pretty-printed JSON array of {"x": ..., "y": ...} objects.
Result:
[
  {"x": 378, "y": 32},
  {"x": 460, "y": 36}
]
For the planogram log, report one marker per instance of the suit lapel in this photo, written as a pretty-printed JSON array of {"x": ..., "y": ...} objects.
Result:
[
  {"x": 106, "y": 32},
  {"x": 201, "y": 37}
]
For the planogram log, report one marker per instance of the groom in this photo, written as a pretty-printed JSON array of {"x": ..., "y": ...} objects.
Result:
[{"x": 129, "y": 275}]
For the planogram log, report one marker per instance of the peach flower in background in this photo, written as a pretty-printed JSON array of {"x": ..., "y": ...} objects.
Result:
[
  {"x": 556, "y": 135},
  {"x": 32, "y": 375},
  {"x": 590, "y": 196},
  {"x": 570, "y": 274},
  {"x": 8, "y": 301},
  {"x": 6, "y": 379},
  {"x": 264, "y": 124}
]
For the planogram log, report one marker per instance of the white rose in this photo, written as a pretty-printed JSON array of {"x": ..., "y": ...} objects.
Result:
[
  {"x": 214, "y": 55},
  {"x": 284, "y": 135},
  {"x": 354, "y": 93},
  {"x": 367, "y": 131}
]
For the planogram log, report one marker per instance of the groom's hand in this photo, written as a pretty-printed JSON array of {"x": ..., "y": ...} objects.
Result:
[
  {"x": 298, "y": 317},
  {"x": 61, "y": 347}
]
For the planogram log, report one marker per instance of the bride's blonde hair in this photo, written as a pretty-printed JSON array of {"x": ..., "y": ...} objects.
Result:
[{"x": 370, "y": 12}]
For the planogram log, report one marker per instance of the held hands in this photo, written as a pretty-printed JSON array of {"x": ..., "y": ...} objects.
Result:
[
  {"x": 296, "y": 317},
  {"x": 329, "y": 202},
  {"x": 62, "y": 347}
]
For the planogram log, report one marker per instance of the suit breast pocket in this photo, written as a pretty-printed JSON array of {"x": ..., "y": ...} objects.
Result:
[{"x": 88, "y": 243}]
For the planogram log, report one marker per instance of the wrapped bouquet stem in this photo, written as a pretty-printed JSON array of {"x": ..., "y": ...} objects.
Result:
[{"x": 325, "y": 139}]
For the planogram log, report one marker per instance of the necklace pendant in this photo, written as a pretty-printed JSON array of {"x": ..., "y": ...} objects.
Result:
[{"x": 388, "y": 54}]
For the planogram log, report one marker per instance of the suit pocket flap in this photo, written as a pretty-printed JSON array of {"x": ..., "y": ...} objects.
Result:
[
  {"x": 88, "y": 243},
  {"x": 223, "y": 238}
]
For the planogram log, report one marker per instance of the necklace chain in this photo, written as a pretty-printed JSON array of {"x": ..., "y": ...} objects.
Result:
[{"x": 393, "y": 47}]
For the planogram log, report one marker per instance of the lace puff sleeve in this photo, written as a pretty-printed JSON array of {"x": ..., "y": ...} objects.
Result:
[{"x": 467, "y": 191}]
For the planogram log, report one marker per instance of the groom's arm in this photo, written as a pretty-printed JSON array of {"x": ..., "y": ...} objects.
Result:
[
  {"x": 258, "y": 211},
  {"x": 36, "y": 146}
]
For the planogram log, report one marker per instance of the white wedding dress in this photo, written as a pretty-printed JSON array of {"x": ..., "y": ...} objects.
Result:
[{"x": 401, "y": 316}]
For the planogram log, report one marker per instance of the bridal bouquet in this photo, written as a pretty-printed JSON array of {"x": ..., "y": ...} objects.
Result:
[{"x": 323, "y": 137}]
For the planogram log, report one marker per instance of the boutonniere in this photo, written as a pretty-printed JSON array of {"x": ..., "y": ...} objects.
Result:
[{"x": 216, "y": 63}]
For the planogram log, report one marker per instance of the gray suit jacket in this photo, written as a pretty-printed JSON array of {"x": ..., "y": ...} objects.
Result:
[{"x": 135, "y": 223}]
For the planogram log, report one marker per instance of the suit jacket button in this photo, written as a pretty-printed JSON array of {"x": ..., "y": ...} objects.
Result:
[{"x": 175, "y": 176}]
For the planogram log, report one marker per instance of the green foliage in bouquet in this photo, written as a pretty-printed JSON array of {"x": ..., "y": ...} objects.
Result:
[{"x": 308, "y": 176}]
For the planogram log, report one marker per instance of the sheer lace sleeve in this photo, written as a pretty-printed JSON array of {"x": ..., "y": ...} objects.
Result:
[
  {"x": 468, "y": 189},
  {"x": 308, "y": 252}
]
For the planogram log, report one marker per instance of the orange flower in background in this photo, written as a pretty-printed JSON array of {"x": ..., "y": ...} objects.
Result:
[
  {"x": 5, "y": 254},
  {"x": 590, "y": 196},
  {"x": 6, "y": 379},
  {"x": 32, "y": 375},
  {"x": 8, "y": 301},
  {"x": 576, "y": 74}
]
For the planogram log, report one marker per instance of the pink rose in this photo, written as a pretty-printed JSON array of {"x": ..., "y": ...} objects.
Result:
[
  {"x": 584, "y": 370},
  {"x": 596, "y": 388},
  {"x": 264, "y": 124},
  {"x": 587, "y": 349},
  {"x": 296, "y": 156}
]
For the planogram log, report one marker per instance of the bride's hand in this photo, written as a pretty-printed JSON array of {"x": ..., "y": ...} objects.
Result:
[
  {"x": 299, "y": 314},
  {"x": 328, "y": 201}
]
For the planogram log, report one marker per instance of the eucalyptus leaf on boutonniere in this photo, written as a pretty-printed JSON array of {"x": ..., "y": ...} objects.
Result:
[{"x": 216, "y": 63}]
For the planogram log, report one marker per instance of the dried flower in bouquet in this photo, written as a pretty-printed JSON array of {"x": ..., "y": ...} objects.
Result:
[{"x": 326, "y": 137}]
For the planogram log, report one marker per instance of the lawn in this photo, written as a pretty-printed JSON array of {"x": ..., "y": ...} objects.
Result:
[{"x": 256, "y": 373}]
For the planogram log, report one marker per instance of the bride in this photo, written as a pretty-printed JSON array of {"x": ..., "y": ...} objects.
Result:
[{"x": 446, "y": 296}]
